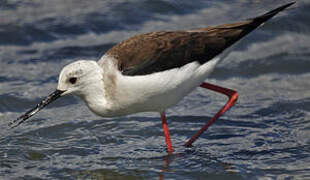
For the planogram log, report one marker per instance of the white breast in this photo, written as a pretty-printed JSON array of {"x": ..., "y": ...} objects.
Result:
[{"x": 159, "y": 91}]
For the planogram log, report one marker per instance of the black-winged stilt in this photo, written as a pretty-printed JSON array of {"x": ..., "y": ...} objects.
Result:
[{"x": 152, "y": 72}]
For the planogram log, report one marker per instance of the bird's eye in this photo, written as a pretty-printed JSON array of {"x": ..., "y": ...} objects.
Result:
[{"x": 73, "y": 80}]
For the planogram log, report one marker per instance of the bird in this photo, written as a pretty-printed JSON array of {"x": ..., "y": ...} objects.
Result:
[{"x": 152, "y": 72}]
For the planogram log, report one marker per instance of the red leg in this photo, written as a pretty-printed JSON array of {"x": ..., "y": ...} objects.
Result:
[
  {"x": 166, "y": 132},
  {"x": 233, "y": 96}
]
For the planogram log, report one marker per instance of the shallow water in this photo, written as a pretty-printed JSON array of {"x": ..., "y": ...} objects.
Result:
[{"x": 265, "y": 136}]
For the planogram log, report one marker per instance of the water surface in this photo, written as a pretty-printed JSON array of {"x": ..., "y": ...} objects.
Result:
[{"x": 265, "y": 136}]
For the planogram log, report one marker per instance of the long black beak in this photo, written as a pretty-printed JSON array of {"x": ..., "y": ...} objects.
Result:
[{"x": 50, "y": 98}]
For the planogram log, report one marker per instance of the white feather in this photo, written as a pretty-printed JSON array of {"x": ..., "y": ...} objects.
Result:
[{"x": 108, "y": 93}]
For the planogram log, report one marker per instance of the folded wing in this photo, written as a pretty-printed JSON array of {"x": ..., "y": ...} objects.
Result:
[{"x": 158, "y": 51}]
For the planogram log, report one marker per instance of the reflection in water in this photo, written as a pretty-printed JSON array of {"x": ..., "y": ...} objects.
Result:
[
  {"x": 230, "y": 170},
  {"x": 167, "y": 160}
]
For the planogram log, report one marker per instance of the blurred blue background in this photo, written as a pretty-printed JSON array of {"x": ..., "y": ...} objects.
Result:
[{"x": 265, "y": 136}]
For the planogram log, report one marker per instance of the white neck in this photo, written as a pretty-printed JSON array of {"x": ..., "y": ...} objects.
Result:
[{"x": 100, "y": 93}]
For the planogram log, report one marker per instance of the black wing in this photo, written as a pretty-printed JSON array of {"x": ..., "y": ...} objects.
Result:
[{"x": 159, "y": 51}]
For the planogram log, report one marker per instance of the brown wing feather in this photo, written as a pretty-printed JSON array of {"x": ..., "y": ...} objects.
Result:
[{"x": 158, "y": 51}]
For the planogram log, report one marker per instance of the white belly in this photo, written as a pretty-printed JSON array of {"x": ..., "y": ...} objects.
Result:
[{"x": 158, "y": 91}]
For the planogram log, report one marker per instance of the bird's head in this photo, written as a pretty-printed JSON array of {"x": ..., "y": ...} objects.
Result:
[{"x": 76, "y": 78}]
